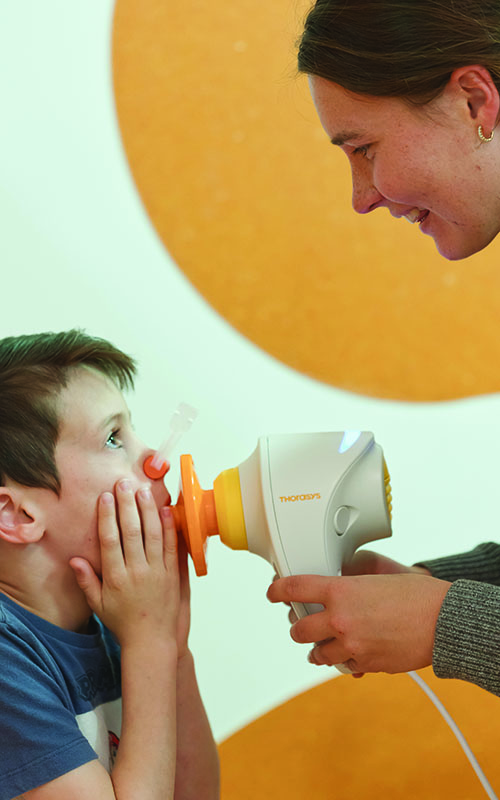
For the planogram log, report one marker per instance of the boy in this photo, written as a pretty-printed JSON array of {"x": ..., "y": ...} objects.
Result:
[{"x": 89, "y": 566}]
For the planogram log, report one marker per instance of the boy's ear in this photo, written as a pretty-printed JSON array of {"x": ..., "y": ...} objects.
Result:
[
  {"x": 19, "y": 522},
  {"x": 477, "y": 88}
]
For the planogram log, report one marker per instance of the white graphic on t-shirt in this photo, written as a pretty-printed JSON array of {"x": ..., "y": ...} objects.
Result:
[{"x": 102, "y": 729}]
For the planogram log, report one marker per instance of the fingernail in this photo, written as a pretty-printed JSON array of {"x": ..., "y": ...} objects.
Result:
[
  {"x": 145, "y": 493},
  {"x": 107, "y": 498},
  {"x": 166, "y": 512},
  {"x": 125, "y": 486}
]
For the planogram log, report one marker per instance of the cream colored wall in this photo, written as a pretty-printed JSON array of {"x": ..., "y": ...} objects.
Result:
[{"x": 77, "y": 249}]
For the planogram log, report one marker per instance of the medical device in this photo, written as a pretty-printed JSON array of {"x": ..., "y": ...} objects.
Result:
[
  {"x": 304, "y": 502},
  {"x": 156, "y": 465}
]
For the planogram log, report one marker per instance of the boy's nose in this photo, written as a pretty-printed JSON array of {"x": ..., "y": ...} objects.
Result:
[
  {"x": 154, "y": 466},
  {"x": 155, "y": 475}
]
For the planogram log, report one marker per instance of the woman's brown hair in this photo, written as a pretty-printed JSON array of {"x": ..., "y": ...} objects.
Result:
[
  {"x": 399, "y": 48},
  {"x": 33, "y": 371}
]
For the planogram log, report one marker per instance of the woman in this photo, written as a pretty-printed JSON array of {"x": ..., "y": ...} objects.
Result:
[{"x": 410, "y": 92}]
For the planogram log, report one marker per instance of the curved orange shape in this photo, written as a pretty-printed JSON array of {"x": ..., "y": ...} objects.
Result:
[
  {"x": 252, "y": 202},
  {"x": 375, "y": 737}
]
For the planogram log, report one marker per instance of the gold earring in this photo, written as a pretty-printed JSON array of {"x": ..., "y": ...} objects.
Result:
[{"x": 481, "y": 135}]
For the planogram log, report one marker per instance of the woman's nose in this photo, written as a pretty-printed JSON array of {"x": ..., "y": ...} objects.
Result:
[{"x": 365, "y": 197}]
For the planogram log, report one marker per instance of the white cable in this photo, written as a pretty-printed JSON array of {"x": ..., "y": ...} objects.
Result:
[{"x": 458, "y": 733}]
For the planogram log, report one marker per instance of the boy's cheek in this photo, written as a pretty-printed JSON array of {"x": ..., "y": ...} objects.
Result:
[{"x": 161, "y": 494}]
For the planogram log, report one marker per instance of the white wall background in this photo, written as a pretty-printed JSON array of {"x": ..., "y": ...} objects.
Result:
[{"x": 76, "y": 249}]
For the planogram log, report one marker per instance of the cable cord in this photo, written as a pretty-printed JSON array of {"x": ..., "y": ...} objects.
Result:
[{"x": 458, "y": 733}]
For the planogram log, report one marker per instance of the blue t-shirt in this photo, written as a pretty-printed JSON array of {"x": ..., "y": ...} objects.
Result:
[{"x": 60, "y": 699}]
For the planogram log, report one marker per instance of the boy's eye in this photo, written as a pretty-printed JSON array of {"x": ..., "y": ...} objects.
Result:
[{"x": 114, "y": 441}]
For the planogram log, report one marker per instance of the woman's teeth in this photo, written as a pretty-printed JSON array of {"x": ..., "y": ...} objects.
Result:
[{"x": 416, "y": 215}]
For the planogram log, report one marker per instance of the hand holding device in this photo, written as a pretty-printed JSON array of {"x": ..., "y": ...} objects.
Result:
[{"x": 370, "y": 623}]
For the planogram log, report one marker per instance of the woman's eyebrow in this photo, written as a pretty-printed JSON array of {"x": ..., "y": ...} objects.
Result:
[{"x": 346, "y": 136}]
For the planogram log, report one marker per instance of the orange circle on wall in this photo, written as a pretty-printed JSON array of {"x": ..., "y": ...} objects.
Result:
[
  {"x": 253, "y": 204},
  {"x": 375, "y": 737}
]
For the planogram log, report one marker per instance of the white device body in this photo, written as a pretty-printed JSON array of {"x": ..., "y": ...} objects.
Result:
[{"x": 310, "y": 500}]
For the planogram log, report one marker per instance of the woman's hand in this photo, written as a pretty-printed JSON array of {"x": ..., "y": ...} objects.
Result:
[
  {"x": 370, "y": 623},
  {"x": 138, "y": 595},
  {"x": 366, "y": 562}
]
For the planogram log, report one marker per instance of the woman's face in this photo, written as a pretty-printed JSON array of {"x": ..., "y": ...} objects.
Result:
[{"x": 423, "y": 163}]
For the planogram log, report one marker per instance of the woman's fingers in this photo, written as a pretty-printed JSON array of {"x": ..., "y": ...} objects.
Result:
[
  {"x": 301, "y": 589},
  {"x": 292, "y": 617},
  {"x": 313, "y": 628}
]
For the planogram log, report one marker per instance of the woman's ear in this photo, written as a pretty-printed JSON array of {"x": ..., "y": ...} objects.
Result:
[
  {"x": 477, "y": 90},
  {"x": 20, "y": 522}
]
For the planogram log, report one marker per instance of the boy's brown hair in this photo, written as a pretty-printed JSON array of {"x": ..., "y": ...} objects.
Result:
[{"x": 33, "y": 371}]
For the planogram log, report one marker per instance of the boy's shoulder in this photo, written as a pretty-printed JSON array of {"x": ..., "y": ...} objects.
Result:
[
  {"x": 17, "y": 635},
  {"x": 87, "y": 666},
  {"x": 59, "y": 698}
]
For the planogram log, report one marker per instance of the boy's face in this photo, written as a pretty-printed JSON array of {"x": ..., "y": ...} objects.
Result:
[{"x": 96, "y": 448}]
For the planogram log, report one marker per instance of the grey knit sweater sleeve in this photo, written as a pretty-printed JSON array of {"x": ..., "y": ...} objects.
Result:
[{"x": 467, "y": 638}]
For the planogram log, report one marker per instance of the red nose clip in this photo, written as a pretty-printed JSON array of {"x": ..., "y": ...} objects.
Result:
[{"x": 154, "y": 472}]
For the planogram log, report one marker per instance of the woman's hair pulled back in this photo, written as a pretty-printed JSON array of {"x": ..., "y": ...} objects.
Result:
[{"x": 399, "y": 48}]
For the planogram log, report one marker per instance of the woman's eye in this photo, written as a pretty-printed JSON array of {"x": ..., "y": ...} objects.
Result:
[
  {"x": 114, "y": 441},
  {"x": 363, "y": 150}
]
